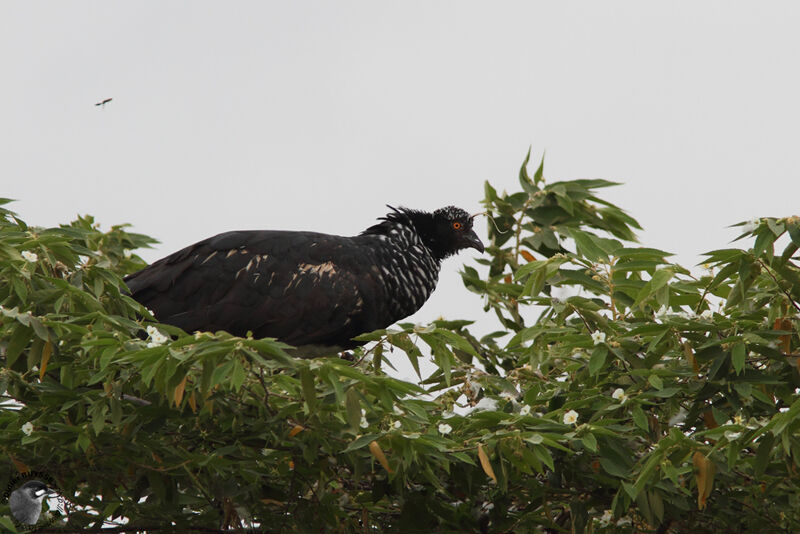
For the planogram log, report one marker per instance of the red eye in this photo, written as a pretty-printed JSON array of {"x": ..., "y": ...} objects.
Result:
[{"x": 457, "y": 225}]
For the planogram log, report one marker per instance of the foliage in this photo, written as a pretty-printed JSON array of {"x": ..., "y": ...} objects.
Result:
[{"x": 622, "y": 393}]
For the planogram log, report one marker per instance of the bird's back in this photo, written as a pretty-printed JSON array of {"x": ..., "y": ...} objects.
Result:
[{"x": 303, "y": 288}]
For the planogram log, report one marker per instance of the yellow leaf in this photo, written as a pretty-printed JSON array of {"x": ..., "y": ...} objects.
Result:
[
  {"x": 704, "y": 473},
  {"x": 179, "y": 389},
  {"x": 687, "y": 349},
  {"x": 192, "y": 402},
  {"x": 376, "y": 451},
  {"x": 487, "y": 466},
  {"x": 273, "y": 501},
  {"x": 22, "y": 468},
  {"x": 47, "y": 350},
  {"x": 296, "y": 430},
  {"x": 527, "y": 255}
]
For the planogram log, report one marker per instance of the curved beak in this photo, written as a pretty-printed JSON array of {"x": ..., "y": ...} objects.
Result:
[{"x": 473, "y": 241}]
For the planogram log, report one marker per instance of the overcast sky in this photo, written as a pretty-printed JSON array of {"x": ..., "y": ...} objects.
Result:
[{"x": 314, "y": 115}]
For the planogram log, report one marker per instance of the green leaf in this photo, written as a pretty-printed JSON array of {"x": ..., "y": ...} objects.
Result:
[
  {"x": 640, "y": 419},
  {"x": 763, "y": 454},
  {"x": 19, "y": 340},
  {"x": 402, "y": 341},
  {"x": 659, "y": 280},
  {"x": 589, "y": 441},
  {"x": 353, "y": 409},
  {"x": 543, "y": 454},
  {"x": 309, "y": 390},
  {"x": 656, "y": 381},
  {"x": 237, "y": 375},
  {"x": 612, "y": 467},
  {"x": 597, "y": 359},
  {"x": 738, "y": 354},
  {"x": 588, "y": 245},
  {"x": 360, "y": 442},
  {"x": 7, "y": 523}
]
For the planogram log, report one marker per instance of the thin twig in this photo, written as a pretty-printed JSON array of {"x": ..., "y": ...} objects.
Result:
[{"x": 788, "y": 296}]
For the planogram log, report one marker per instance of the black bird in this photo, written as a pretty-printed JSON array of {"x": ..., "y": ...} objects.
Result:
[
  {"x": 310, "y": 290},
  {"x": 26, "y": 501},
  {"x": 104, "y": 102}
]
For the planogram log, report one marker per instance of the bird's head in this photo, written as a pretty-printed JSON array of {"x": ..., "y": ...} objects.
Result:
[
  {"x": 445, "y": 231},
  {"x": 454, "y": 230},
  {"x": 35, "y": 490}
]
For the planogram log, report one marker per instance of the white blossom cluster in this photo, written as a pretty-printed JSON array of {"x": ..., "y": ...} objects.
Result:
[{"x": 156, "y": 338}]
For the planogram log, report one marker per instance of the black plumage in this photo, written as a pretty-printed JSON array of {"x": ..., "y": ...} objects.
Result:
[{"x": 307, "y": 289}]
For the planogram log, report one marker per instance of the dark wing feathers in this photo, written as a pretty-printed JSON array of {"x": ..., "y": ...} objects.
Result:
[{"x": 300, "y": 287}]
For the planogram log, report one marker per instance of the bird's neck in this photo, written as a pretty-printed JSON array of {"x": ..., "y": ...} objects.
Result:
[{"x": 410, "y": 227}]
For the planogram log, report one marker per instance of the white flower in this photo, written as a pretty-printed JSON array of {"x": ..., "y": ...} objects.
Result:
[
  {"x": 363, "y": 423},
  {"x": 397, "y": 411},
  {"x": 525, "y": 410},
  {"x": 619, "y": 395},
  {"x": 127, "y": 253},
  {"x": 738, "y": 419},
  {"x": 27, "y": 428},
  {"x": 156, "y": 337},
  {"x": 396, "y": 425},
  {"x": 571, "y": 417},
  {"x": 598, "y": 337},
  {"x": 750, "y": 225},
  {"x": 606, "y": 518},
  {"x": 661, "y": 314},
  {"x": 30, "y": 256},
  {"x": 507, "y": 395},
  {"x": 624, "y": 522},
  {"x": 445, "y": 429}
]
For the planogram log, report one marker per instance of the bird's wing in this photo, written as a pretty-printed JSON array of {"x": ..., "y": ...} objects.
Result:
[{"x": 300, "y": 287}]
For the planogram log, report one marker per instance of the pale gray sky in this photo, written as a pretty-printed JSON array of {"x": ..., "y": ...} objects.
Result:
[{"x": 313, "y": 115}]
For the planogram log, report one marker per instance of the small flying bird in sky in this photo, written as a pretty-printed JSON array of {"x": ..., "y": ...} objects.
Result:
[
  {"x": 103, "y": 103},
  {"x": 311, "y": 290}
]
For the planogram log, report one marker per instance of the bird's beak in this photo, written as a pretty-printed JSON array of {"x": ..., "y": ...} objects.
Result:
[{"x": 473, "y": 241}]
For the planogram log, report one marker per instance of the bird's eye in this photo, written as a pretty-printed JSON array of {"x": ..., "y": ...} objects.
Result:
[{"x": 457, "y": 225}]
